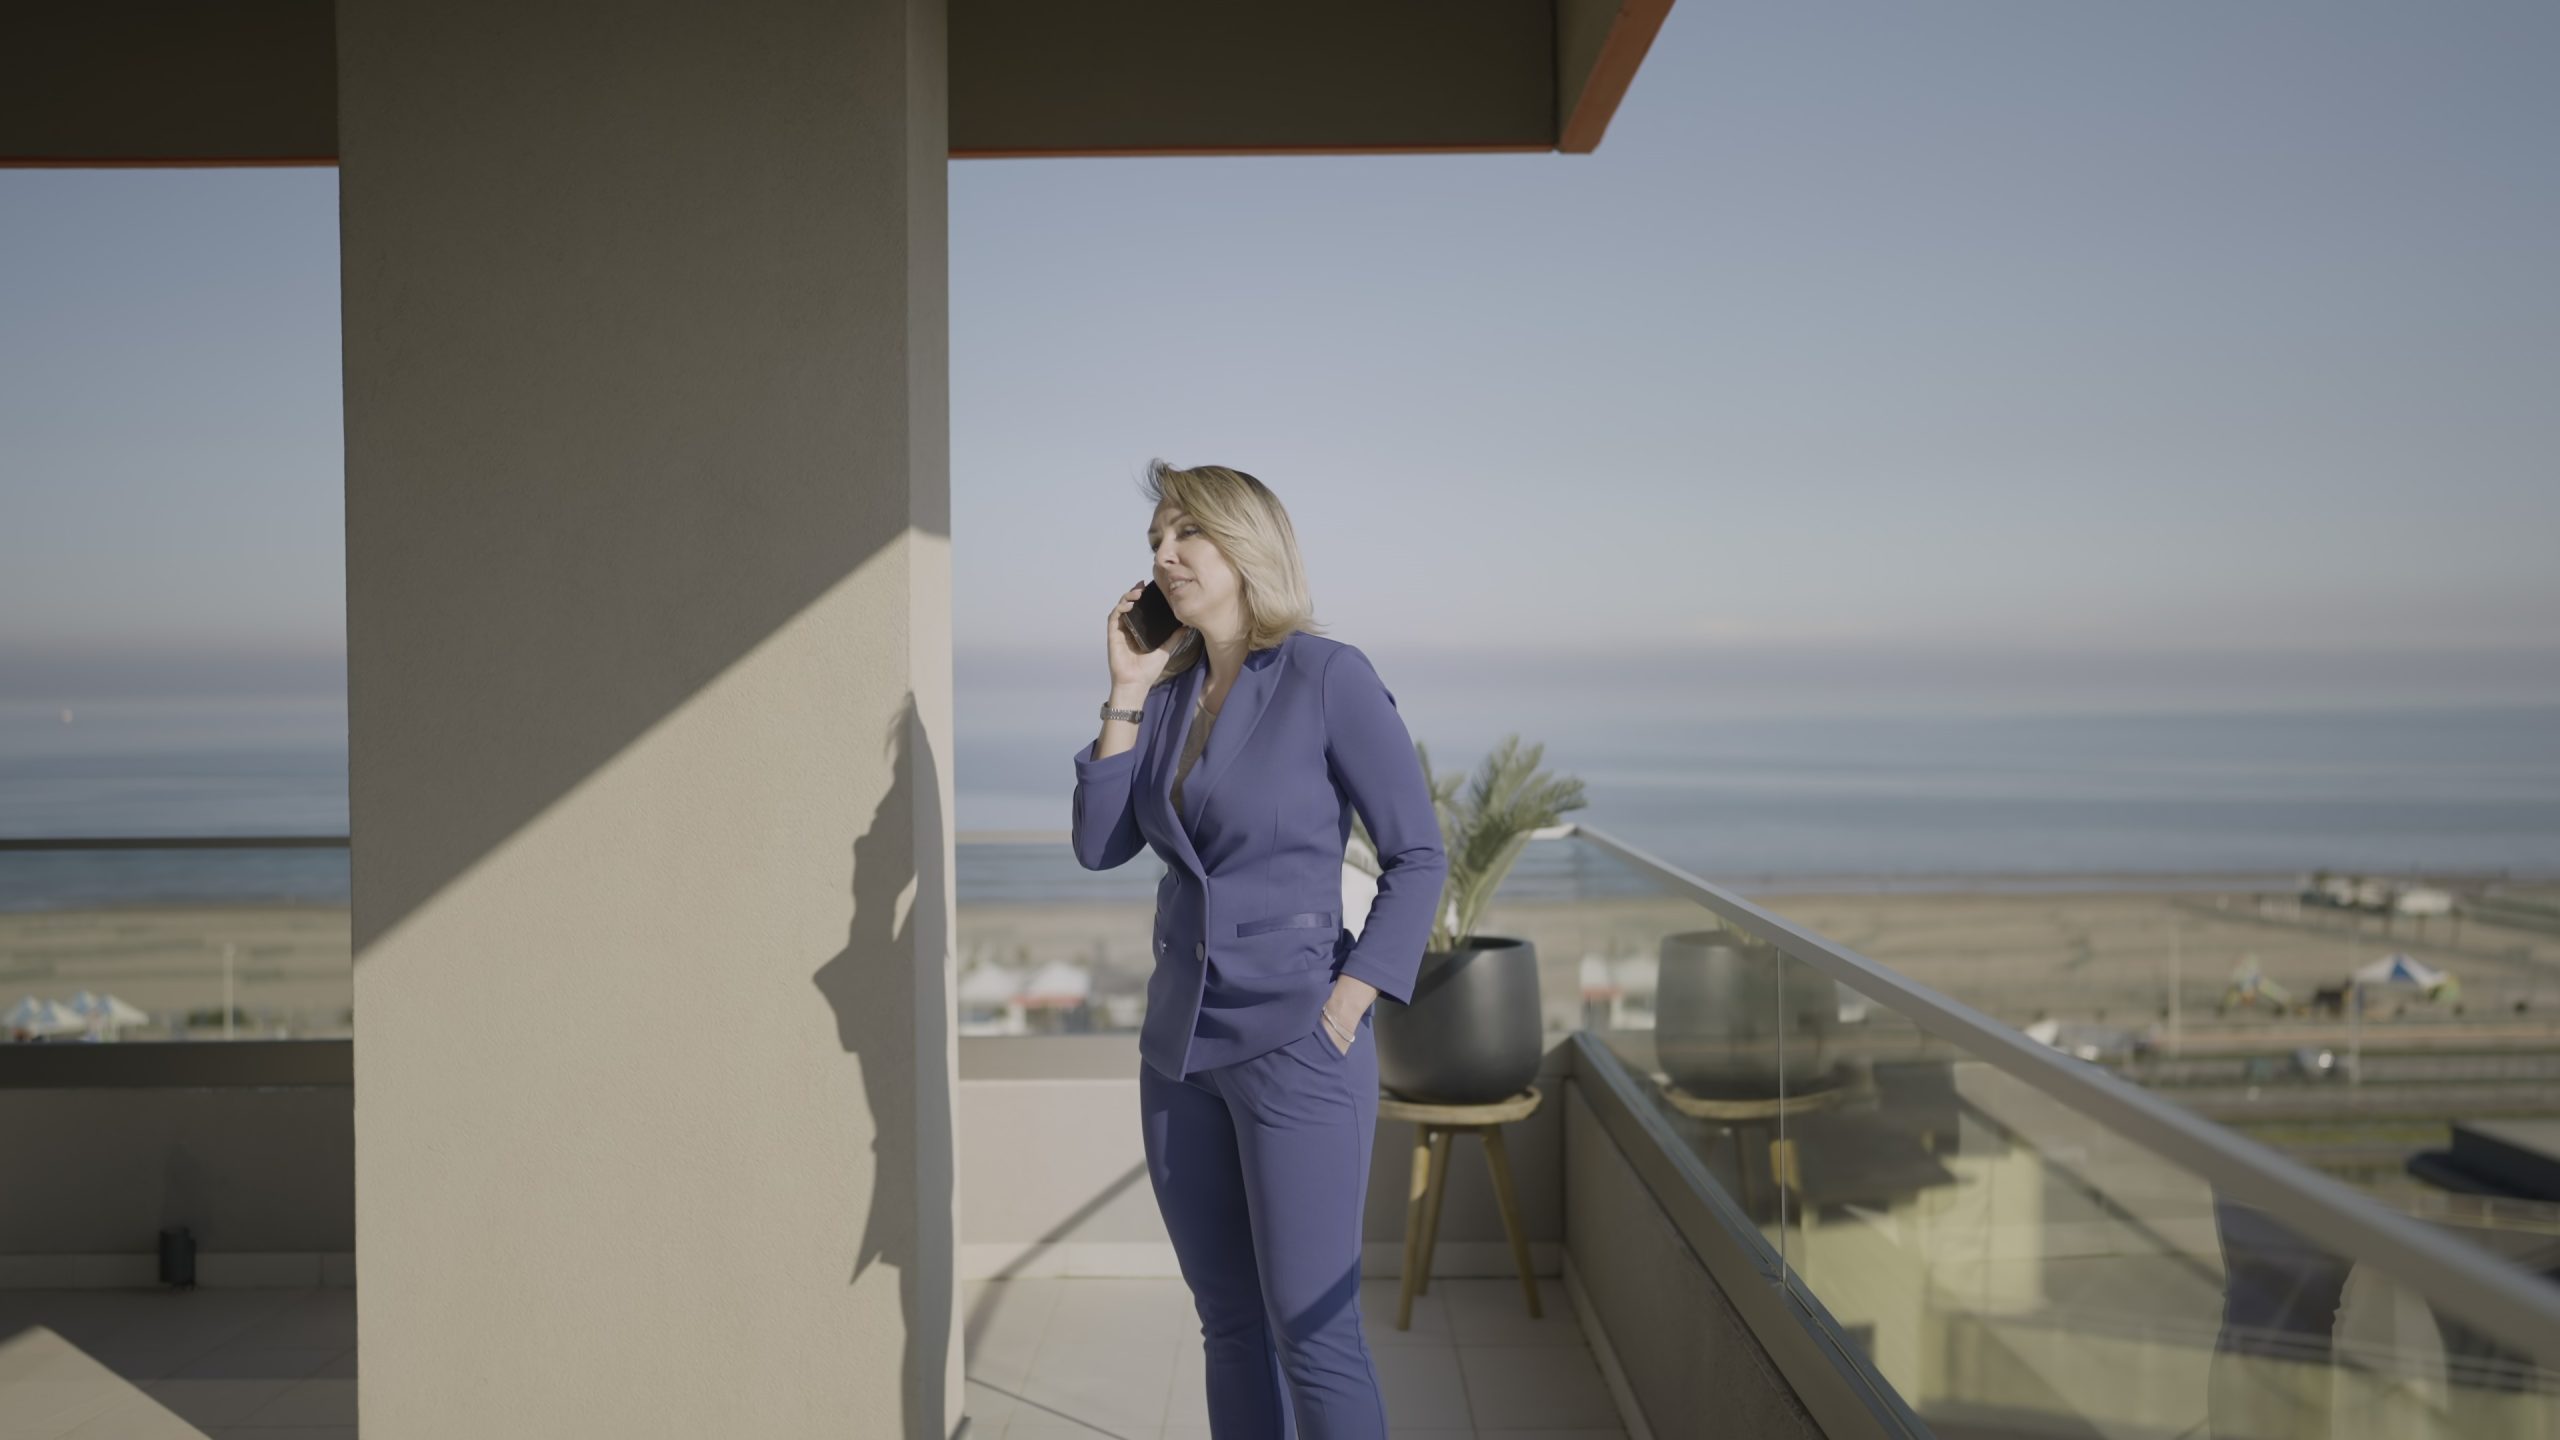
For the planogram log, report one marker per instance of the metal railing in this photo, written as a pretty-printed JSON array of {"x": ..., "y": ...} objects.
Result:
[{"x": 2466, "y": 1281}]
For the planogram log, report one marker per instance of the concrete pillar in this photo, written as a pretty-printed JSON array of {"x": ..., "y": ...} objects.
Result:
[{"x": 648, "y": 614}]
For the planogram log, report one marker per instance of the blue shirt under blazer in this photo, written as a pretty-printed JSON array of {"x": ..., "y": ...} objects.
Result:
[{"x": 1248, "y": 924}]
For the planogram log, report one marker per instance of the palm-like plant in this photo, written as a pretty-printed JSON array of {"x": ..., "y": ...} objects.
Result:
[{"x": 1483, "y": 830}]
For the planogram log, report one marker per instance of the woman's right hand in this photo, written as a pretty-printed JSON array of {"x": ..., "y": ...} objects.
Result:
[{"x": 1131, "y": 667}]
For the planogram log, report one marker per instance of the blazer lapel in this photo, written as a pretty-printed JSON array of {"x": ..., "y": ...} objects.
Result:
[
  {"x": 1173, "y": 728},
  {"x": 1245, "y": 703}
]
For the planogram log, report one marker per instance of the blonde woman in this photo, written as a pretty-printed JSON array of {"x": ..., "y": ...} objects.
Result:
[{"x": 1238, "y": 751}]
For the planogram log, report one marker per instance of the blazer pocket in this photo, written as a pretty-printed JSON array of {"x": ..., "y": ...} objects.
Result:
[{"x": 1304, "y": 919}]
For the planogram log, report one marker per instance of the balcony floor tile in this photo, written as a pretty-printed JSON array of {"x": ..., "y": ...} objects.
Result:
[
  {"x": 1049, "y": 1358},
  {"x": 1474, "y": 1364}
]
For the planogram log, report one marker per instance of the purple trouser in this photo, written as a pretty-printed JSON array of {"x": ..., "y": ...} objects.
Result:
[{"x": 1261, "y": 1169}]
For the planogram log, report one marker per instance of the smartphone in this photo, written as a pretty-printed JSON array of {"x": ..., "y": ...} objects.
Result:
[{"x": 1151, "y": 621}]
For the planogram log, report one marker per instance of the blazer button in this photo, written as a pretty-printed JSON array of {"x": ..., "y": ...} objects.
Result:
[{"x": 1200, "y": 951}]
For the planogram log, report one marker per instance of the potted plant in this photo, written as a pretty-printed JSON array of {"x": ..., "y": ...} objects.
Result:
[{"x": 1474, "y": 1032}]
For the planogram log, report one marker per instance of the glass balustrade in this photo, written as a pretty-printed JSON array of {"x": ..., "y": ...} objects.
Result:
[{"x": 2015, "y": 1241}]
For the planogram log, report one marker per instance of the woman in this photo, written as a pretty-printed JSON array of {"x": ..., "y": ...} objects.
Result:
[{"x": 1238, "y": 750}]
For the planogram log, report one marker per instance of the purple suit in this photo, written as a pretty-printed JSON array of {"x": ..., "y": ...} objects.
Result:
[
  {"x": 1248, "y": 931},
  {"x": 1258, "y": 1127}
]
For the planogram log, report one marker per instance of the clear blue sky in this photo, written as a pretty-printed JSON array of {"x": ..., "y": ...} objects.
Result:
[{"x": 1878, "y": 344}]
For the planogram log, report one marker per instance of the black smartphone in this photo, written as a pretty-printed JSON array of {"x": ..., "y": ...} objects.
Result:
[{"x": 1151, "y": 621}]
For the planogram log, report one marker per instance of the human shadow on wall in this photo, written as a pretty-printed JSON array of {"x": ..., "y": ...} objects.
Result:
[{"x": 888, "y": 988}]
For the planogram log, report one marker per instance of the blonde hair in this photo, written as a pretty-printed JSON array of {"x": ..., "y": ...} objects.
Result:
[{"x": 1251, "y": 529}]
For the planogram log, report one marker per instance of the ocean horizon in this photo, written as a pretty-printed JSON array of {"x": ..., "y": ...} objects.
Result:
[{"x": 2197, "y": 800}]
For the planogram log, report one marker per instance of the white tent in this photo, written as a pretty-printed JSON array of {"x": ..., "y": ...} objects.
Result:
[
  {"x": 993, "y": 986},
  {"x": 2086, "y": 1041},
  {"x": 104, "y": 1013},
  {"x": 109, "y": 1014},
  {"x": 1058, "y": 985},
  {"x": 43, "y": 1017},
  {"x": 1599, "y": 982},
  {"x": 1639, "y": 974},
  {"x": 2423, "y": 900},
  {"x": 2399, "y": 968}
]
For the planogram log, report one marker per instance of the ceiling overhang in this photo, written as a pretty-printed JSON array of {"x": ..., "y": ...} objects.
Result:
[{"x": 254, "y": 82}]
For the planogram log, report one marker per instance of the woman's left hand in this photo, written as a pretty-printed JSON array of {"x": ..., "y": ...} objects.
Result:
[{"x": 1351, "y": 995}]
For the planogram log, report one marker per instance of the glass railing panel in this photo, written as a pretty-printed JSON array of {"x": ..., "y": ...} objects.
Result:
[
  {"x": 2010, "y": 1263},
  {"x": 2010, "y": 1238},
  {"x": 1995, "y": 1252},
  {"x": 1706, "y": 1045}
]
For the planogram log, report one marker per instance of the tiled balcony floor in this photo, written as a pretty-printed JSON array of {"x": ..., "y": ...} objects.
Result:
[
  {"x": 1056, "y": 1358},
  {"x": 159, "y": 1364},
  {"x": 1048, "y": 1359}
]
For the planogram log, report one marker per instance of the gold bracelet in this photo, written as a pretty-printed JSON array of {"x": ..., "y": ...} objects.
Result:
[{"x": 1348, "y": 1040}]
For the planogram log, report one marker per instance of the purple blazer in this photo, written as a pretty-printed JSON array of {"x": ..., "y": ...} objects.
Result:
[{"x": 1248, "y": 929}]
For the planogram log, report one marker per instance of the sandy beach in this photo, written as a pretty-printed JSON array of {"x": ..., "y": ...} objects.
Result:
[
  {"x": 288, "y": 964},
  {"x": 2100, "y": 956},
  {"x": 2103, "y": 957}
]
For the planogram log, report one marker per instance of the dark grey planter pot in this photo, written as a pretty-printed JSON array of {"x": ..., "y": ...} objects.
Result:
[
  {"x": 1722, "y": 1001},
  {"x": 1473, "y": 1034}
]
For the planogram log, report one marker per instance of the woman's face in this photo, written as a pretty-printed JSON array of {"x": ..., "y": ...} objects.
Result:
[{"x": 1194, "y": 576}]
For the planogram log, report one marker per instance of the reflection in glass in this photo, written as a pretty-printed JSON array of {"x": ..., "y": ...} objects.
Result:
[{"x": 2008, "y": 1264}]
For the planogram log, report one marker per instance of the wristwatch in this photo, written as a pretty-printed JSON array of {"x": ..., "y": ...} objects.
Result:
[{"x": 1132, "y": 716}]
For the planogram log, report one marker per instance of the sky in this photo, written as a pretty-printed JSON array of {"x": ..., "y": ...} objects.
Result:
[{"x": 2002, "y": 354}]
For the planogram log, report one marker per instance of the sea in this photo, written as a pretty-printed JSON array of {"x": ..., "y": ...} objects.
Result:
[{"x": 2251, "y": 800}]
